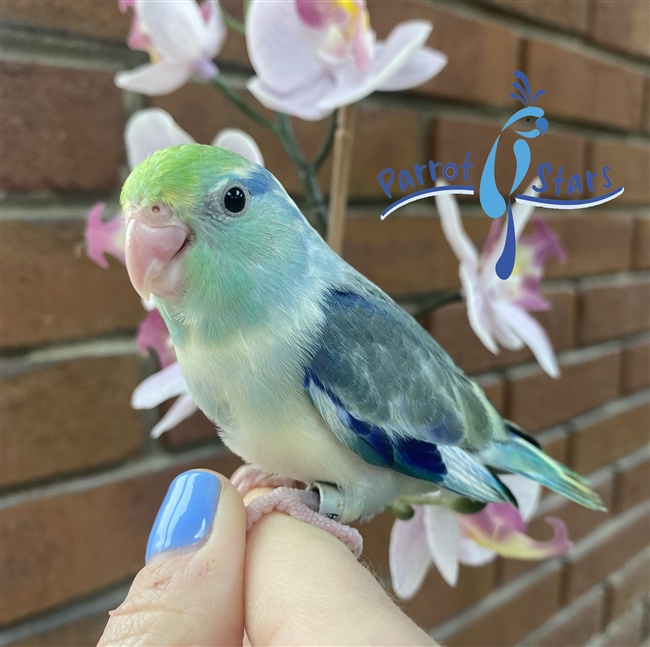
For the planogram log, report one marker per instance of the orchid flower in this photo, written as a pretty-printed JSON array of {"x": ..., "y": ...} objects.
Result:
[
  {"x": 146, "y": 132},
  {"x": 438, "y": 535},
  {"x": 181, "y": 37},
  {"x": 312, "y": 56},
  {"x": 104, "y": 236},
  {"x": 498, "y": 310}
]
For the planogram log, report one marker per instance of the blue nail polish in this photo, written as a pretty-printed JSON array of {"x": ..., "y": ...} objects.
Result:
[{"x": 185, "y": 516}]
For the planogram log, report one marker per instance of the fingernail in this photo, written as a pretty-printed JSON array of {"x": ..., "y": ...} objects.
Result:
[{"x": 185, "y": 516}]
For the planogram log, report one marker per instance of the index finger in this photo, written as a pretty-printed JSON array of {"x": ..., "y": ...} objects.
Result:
[{"x": 304, "y": 587}]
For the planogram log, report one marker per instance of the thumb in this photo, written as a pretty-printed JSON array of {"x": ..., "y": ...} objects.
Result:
[{"x": 191, "y": 590}]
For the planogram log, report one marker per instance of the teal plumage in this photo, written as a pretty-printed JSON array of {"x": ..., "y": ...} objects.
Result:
[{"x": 309, "y": 369}]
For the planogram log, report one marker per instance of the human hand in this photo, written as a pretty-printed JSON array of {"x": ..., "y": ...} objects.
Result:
[{"x": 287, "y": 583}]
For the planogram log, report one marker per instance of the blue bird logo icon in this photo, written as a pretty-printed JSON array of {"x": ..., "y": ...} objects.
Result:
[{"x": 492, "y": 202}]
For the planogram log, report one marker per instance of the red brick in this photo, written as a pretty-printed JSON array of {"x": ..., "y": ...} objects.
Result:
[
  {"x": 588, "y": 381},
  {"x": 507, "y": 616},
  {"x": 191, "y": 431},
  {"x": 566, "y": 15},
  {"x": 494, "y": 388},
  {"x": 409, "y": 255},
  {"x": 450, "y": 328},
  {"x": 452, "y": 139},
  {"x": 555, "y": 443},
  {"x": 579, "y": 520},
  {"x": 585, "y": 88},
  {"x": 636, "y": 366},
  {"x": 69, "y": 416},
  {"x": 481, "y": 62},
  {"x": 81, "y": 633},
  {"x": 102, "y": 19},
  {"x": 610, "y": 433},
  {"x": 596, "y": 243},
  {"x": 605, "y": 551},
  {"x": 373, "y": 153},
  {"x": 629, "y": 584},
  {"x": 627, "y": 631},
  {"x": 622, "y": 25},
  {"x": 56, "y": 548},
  {"x": 472, "y": 586},
  {"x": 645, "y": 117},
  {"x": 630, "y": 168},
  {"x": 61, "y": 129},
  {"x": 641, "y": 246},
  {"x": 69, "y": 296},
  {"x": 633, "y": 479},
  {"x": 376, "y": 535},
  {"x": 404, "y": 255},
  {"x": 611, "y": 308},
  {"x": 573, "y": 625},
  {"x": 94, "y": 19},
  {"x": 203, "y": 111}
]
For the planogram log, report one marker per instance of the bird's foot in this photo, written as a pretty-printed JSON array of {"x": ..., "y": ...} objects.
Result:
[
  {"x": 247, "y": 478},
  {"x": 302, "y": 505}
]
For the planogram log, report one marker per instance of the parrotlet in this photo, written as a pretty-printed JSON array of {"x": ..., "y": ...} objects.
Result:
[{"x": 309, "y": 370}]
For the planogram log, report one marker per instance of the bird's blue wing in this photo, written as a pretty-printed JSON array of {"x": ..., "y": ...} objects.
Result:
[{"x": 393, "y": 396}]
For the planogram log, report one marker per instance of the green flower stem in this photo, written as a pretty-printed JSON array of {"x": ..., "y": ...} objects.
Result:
[
  {"x": 235, "y": 99},
  {"x": 326, "y": 145},
  {"x": 306, "y": 172},
  {"x": 437, "y": 301},
  {"x": 232, "y": 23}
]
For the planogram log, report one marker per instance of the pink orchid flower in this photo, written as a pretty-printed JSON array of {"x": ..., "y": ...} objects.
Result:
[
  {"x": 181, "y": 37},
  {"x": 104, "y": 236},
  {"x": 438, "y": 535},
  {"x": 312, "y": 56},
  {"x": 146, "y": 132},
  {"x": 498, "y": 310}
]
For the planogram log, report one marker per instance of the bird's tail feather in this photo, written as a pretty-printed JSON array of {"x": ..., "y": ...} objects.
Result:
[{"x": 519, "y": 456}]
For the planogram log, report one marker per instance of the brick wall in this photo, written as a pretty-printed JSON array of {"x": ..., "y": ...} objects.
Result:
[{"x": 81, "y": 480}]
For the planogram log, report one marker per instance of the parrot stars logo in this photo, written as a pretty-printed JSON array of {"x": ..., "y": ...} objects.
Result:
[{"x": 529, "y": 123}]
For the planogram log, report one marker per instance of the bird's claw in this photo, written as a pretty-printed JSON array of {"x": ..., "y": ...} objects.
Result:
[
  {"x": 302, "y": 505},
  {"x": 248, "y": 477}
]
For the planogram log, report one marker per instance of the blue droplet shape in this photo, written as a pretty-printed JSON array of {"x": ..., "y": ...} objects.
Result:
[{"x": 506, "y": 262}]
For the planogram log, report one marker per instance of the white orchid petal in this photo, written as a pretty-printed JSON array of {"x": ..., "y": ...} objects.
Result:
[
  {"x": 408, "y": 555},
  {"x": 150, "y": 130},
  {"x": 501, "y": 328},
  {"x": 165, "y": 384},
  {"x": 352, "y": 84},
  {"x": 239, "y": 142},
  {"x": 526, "y": 491},
  {"x": 302, "y": 103},
  {"x": 154, "y": 79},
  {"x": 281, "y": 47},
  {"x": 452, "y": 227},
  {"x": 183, "y": 408},
  {"x": 215, "y": 30},
  {"x": 534, "y": 336},
  {"x": 422, "y": 66},
  {"x": 471, "y": 554},
  {"x": 176, "y": 28},
  {"x": 443, "y": 537},
  {"x": 478, "y": 320}
]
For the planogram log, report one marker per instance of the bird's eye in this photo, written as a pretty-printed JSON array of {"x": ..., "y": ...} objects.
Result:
[
  {"x": 527, "y": 118},
  {"x": 234, "y": 200}
]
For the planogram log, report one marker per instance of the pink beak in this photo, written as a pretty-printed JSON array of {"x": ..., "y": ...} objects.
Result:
[{"x": 153, "y": 239}]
